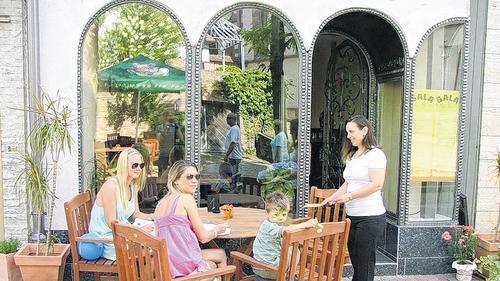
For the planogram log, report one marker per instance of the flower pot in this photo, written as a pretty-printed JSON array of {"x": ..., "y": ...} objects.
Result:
[
  {"x": 9, "y": 271},
  {"x": 42, "y": 268},
  {"x": 464, "y": 270},
  {"x": 486, "y": 246}
]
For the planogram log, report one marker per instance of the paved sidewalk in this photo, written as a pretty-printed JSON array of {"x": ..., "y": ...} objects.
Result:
[{"x": 437, "y": 277}]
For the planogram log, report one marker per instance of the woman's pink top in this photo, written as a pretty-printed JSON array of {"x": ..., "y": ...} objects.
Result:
[{"x": 184, "y": 253}]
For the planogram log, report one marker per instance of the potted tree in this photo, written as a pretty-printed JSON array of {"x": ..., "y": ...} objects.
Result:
[
  {"x": 48, "y": 138},
  {"x": 489, "y": 243},
  {"x": 9, "y": 271}
]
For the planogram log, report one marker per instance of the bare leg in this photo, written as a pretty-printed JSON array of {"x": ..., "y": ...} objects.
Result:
[{"x": 218, "y": 256}]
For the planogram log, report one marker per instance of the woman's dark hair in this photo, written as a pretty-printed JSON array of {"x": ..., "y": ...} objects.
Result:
[
  {"x": 369, "y": 141},
  {"x": 225, "y": 170}
]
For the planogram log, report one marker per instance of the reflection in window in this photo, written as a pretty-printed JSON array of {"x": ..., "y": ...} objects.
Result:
[
  {"x": 435, "y": 125},
  {"x": 133, "y": 90},
  {"x": 253, "y": 75}
]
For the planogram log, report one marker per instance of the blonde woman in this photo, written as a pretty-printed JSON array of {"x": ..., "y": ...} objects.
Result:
[
  {"x": 178, "y": 222},
  {"x": 117, "y": 199}
]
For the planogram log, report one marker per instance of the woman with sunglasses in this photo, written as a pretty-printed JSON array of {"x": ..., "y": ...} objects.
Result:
[
  {"x": 178, "y": 222},
  {"x": 117, "y": 199}
]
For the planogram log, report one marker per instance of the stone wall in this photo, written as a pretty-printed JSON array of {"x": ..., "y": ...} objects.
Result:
[
  {"x": 488, "y": 195},
  {"x": 12, "y": 123}
]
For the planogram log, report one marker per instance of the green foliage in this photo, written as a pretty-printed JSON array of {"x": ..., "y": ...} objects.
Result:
[
  {"x": 9, "y": 246},
  {"x": 138, "y": 29},
  {"x": 462, "y": 242},
  {"x": 278, "y": 180},
  {"x": 250, "y": 91},
  {"x": 48, "y": 137},
  {"x": 259, "y": 38},
  {"x": 124, "y": 107},
  {"x": 490, "y": 264}
]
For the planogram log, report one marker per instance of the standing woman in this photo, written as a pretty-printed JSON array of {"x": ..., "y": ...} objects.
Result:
[
  {"x": 117, "y": 199},
  {"x": 364, "y": 178},
  {"x": 178, "y": 222}
]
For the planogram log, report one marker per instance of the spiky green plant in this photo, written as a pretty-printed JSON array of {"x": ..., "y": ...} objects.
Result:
[{"x": 49, "y": 137}]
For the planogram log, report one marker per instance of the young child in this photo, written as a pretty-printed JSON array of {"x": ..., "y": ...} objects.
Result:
[
  {"x": 267, "y": 244},
  {"x": 224, "y": 183}
]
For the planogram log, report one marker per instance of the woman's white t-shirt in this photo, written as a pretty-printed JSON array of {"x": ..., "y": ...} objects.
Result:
[{"x": 356, "y": 175}]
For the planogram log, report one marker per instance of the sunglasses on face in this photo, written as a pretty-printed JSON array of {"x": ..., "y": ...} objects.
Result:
[
  {"x": 135, "y": 165},
  {"x": 191, "y": 176}
]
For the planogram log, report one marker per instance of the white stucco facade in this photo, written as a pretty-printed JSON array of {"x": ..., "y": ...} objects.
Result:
[{"x": 62, "y": 23}]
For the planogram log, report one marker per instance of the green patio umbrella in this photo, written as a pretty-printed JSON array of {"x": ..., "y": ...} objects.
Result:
[{"x": 141, "y": 74}]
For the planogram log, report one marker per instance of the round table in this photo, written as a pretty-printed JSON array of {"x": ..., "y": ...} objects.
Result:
[{"x": 244, "y": 225}]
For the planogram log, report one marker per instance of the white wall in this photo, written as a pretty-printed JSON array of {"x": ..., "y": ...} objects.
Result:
[
  {"x": 488, "y": 193},
  {"x": 62, "y": 22}
]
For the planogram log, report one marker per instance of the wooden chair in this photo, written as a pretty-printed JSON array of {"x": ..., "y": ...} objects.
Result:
[
  {"x": 327, "y": 213},
  {"x": 78, "y": 218},
  {"x": 306, "y": 265},
  {"x": 144, "y": 257},
  {"x": 153, "y": 146}
]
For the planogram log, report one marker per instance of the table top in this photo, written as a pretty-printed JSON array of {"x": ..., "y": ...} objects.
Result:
[{"x": 244, "y": 224}]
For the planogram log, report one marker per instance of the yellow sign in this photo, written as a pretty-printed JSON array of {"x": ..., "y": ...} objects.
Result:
[{"x": 434, "y": 135}]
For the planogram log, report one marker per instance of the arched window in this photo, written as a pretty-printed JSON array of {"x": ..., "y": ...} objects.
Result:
[{"x": 436, "y": 107}]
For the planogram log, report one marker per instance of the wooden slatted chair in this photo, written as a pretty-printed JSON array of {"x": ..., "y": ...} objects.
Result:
[
  {"x": 78, "y": 218},
  {"x": 305, "y": 265},
  {"x": 327, "y": 213},
  {"x": 143, "y": 257}
]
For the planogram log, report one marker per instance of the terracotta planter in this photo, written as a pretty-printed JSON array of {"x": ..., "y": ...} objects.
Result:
[
  {"x": 486, "y": 246},
  {"x": 9, "y": 271},
  {"x": 42, "y": 268}
]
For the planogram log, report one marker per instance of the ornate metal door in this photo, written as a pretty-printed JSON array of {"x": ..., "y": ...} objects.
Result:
[{"x": 346, "y": 93}]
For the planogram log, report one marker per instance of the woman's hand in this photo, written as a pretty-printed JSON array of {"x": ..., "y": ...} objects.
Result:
[
  {"x": 334, "y": 198},
  {"x": 221, "y": 228},
  {"x": 148, "y": 227}
]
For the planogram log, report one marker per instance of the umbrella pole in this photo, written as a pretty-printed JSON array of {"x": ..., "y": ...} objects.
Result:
[{"x": 137, "y": 117}]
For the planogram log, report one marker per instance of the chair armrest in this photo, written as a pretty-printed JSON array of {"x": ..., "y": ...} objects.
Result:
[
  {"x": 249, "y": 260},
  {"x": 230, "y": 269},
  {"x": 101, "y": 240}
]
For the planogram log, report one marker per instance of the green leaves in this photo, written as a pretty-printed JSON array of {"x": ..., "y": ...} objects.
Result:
[
  {"x": 250, "y": 91},
  {"x": 9, "y": 246},
  {"x": 139, "y": 29},
  {"x": 277, "y": 180}
]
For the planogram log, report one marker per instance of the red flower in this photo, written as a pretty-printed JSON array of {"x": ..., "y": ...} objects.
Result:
[
  {"x": 453, "y": 226},
  {"x": 446, "y": 236},
  {"x": 467, "y": 228},
  {"x": 461, "y": 241}
]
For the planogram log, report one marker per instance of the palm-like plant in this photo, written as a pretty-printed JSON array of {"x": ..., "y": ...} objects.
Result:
[{"x": 48, "y": 138}]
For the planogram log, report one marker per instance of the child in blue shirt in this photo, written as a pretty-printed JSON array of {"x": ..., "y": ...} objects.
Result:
[{"x": 267, "y": 244}]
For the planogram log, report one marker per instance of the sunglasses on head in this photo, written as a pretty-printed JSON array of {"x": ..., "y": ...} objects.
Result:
[
  {"x": 135, "y": 165},
  {"x": 191, "y": 176}
]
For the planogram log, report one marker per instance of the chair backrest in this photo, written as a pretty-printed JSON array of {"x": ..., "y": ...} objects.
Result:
[
  {"x": 78, "y": 218},
  {"x": 140, "y": 256},
  {"x": 328, "y": 213},
  {"x": 250, "y": 186},
  {"x": 324, "y": 259},
  {"x": 153, "y": 146}
]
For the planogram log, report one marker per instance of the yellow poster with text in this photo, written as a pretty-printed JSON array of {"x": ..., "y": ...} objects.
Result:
[{"x": 434, "y": 135}]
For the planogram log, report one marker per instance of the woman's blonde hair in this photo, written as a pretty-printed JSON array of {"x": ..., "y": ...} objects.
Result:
[
  {"x": 175, "y": 172},
  {"x": 122, "y": 175}
]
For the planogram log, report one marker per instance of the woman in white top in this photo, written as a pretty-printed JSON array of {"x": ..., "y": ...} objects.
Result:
[{"x": 361, "y": 192}]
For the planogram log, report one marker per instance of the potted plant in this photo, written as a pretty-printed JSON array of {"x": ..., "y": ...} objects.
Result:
[
  {"x": 461, "y": 243},
  {"x": 489, "y": 266},
  {"x": 489, "y": 243},
  {"x": 278, "y": 177},
  {"x": 48, "y": 137},
  {"x": 9, "y": 271}
]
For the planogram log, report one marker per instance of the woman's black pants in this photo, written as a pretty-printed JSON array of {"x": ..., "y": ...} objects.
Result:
[{"x": 364, "y": 235}]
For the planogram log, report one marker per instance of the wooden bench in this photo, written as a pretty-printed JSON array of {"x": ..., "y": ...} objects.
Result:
[{"x": 78, "y": 219}]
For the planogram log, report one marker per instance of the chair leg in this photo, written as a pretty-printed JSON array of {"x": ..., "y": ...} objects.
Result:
[{"x": 76, "y": 273}]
